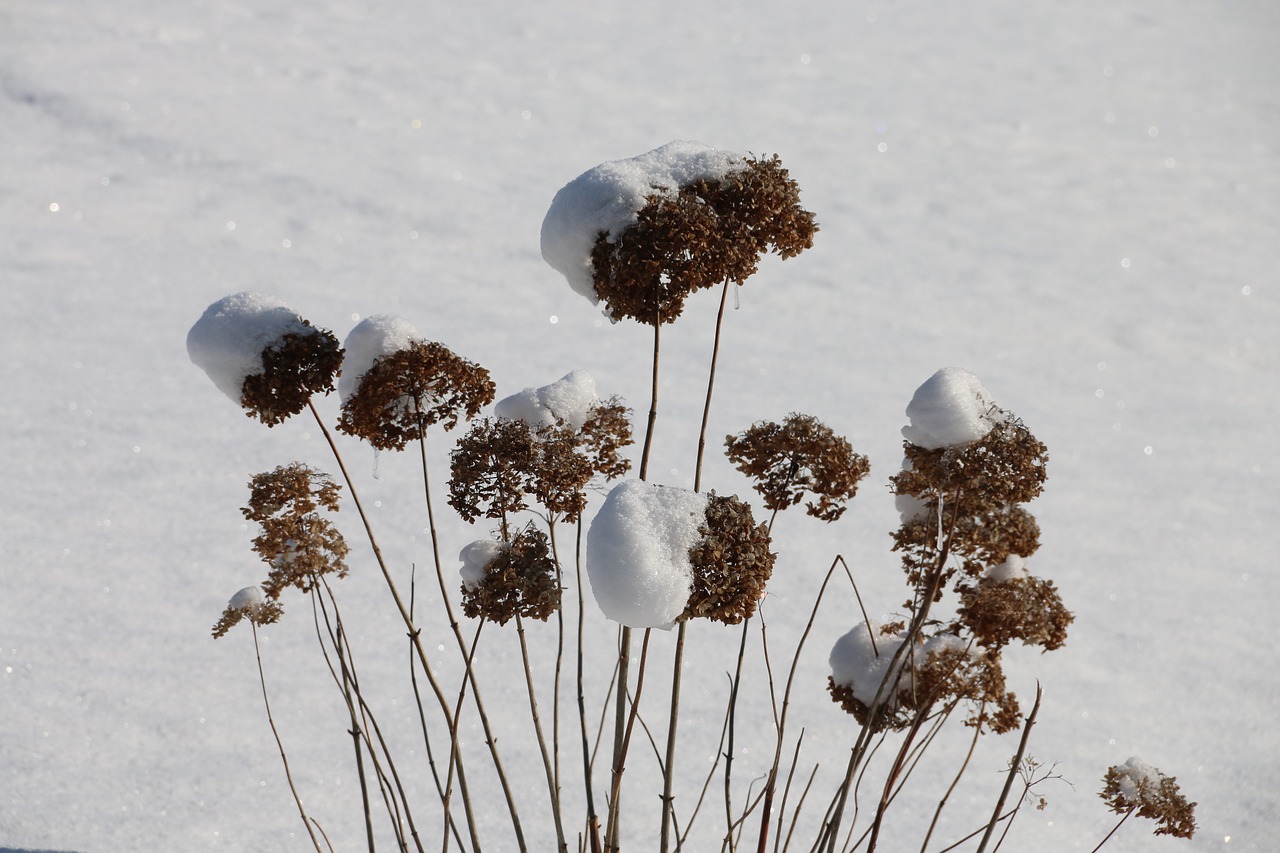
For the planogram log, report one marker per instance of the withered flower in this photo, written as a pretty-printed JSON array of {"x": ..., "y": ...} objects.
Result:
[
  {"x": 517, "y": 577},
  {"x": 938, "y": 671},
  {"x": 801, "y": 455},
  {"x": 706, "y": 232},
  {"x": 502, "y": 462},
  {"x": 1137, "y": 786},
  {"x": 296, "y": 541},
  {"x": 997, "y": 611},
  {"x": 979, "y": 486},
  {"x": 731, "y": 563},
  {"x": 299, "y": 365},
  {"x": 408, "y": 390},
  {"x": 250, "y": 603},
  {"x": 263, "y": 355}
]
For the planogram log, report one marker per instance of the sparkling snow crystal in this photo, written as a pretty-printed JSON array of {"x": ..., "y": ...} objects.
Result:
[
  {"x": 608, "y": 197},
  {"x": 950, "y": 409},
  {"x": 570, "y": 399},
  {"x": 638, "y": 552},
  {"x": 228, "y": 340}
]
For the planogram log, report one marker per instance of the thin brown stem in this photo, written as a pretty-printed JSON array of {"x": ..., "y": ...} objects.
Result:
[
  {"x": 614, "y": 829},
  {"x": 1013, "y": 768},
  {"x": 1114, "y": 829},
  {"x": 476, "y": 696},
  {"x": 942, "y": 803},
  {"x": 552, "y": 789},
  {"x": 262, "y": 680},
  {"x": 406, "y": 617}
]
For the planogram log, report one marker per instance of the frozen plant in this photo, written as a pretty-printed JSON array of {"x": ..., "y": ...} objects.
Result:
[
  {"x": 396, "y": 384},
  {"x": 642, "y": 234},
  {"x": 1136, "y": 787},
  {"x": 263, "y": 355}
]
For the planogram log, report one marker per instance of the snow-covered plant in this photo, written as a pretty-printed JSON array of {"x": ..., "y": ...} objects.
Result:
[
  {"x": 251, "y": 604},
  {"x": 643, "y": 234},
  {"x": 396, "y": 384},
  {"x": 640, "y": 236},
  {"x": 263, "y": 355},
  {"x": 1136, "y": 787},
  {"x": 503, "y": 579}
]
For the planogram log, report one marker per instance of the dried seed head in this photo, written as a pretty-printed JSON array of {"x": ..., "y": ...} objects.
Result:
[
  {"x": 250, "y": 603},
  {"x": 1136, "y": 785},
  {"x": 939, "y": 670},
  {"x": 1024, "y": 608},
  {"x": 501, "y": 462},
  {"x": 520, "y": 578},
  {"x": 605, "y": 432},
  {"x": 979, "y": 486},
  {"x": 296, "y": 541},
  {"x": 731, "y": 563},
  {"x": 709, "y": 231},
  {"x": 406, "y": 391},
  {"x": 801, "y": 455},
  {"x": 296, "y": 366}
]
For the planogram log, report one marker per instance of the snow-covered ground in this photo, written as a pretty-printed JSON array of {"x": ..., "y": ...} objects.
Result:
[{"x": 1077, "y": 202}]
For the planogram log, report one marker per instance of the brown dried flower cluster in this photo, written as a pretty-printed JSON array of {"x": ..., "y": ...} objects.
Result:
[
  {"x": 411, "y": 389},
  {"x": 946, "y": 674},
  {"x": 521, "y": 579},
  {"x": 297, "y": 542},
  {"x": 731, "y": 563},
  {"x": 1027, "y": 609},
  {"x": 801, "y": 455},
  {"x": 1155, "y": 796},
  {"x": 980, "y": 486},
  {"x": 298, "y": 365},
  {"x": 501, "y": 463},
  {"x": 708, "y": 232},
  {"x": 263, "y": 612}
]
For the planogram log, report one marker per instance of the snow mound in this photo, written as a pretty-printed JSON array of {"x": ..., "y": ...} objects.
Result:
[
  {"x": 1132, "y": 774},
  {"x": 638, "y": 552},
  {"x": 475, "y": 557},
  {"x": 371, "y": 339},
  {"x": 950, "y": 409},
  {"x": 608, "y": 198},
  {"x": 569, "y": 398},
  {"x": 247, "y": 600},
  {"x": 859, "y": 664},
  {"x": 1013, "y": 568},
  {"x": 228, "y": 339}
]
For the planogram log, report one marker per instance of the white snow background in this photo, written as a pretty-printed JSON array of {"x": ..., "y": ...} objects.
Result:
[{"x": 1077, "y": 202}]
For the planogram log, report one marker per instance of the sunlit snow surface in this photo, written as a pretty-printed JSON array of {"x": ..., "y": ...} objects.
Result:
[{"x": 1075, "y": 201}]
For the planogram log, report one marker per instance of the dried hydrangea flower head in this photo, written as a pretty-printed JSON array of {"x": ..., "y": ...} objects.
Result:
[
  {"x": 571, "y": 403},
  {"x": 937, "y": 670},
  {"x": 296, "y": 541},
  {"x": 250, "y": 603},
  {"x": 642, "y": 234},
  {"x": 657, "y": 555},
  {"x": 978, "y": 463},
  {"x": 731, "y": 563},
  {"x": 801, "y": 455},
  {"x": 505, "y": 579},
  {"x": 263, "y": 355},
  {"x": 545, "y": 444},
  {"x": 1008, "y": 603},
  {"x": 1137, "y": 786},
  {"x": 396, "y": 384}
]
